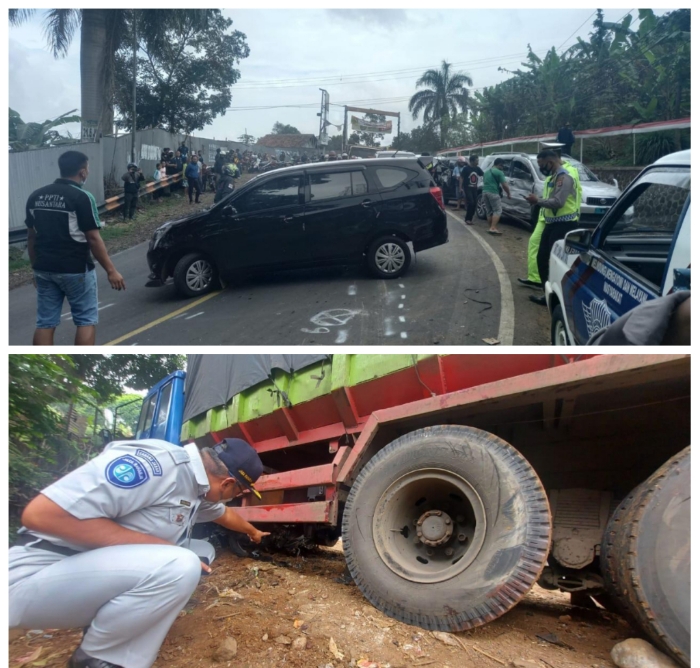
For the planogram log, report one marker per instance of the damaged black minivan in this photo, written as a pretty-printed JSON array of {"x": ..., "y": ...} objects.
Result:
[{"x": 334, "y": 213}]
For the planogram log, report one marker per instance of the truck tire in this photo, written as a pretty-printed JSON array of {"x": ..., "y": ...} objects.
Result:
[
  {"x": 446, "y": 528},
  {"x": 645, "y": 557}
]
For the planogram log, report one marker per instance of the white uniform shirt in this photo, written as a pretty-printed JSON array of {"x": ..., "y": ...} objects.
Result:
[{"x": 149, "y": 486}]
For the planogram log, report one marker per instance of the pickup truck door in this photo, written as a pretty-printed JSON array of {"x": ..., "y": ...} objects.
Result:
[{"x": 628, "y": 260}]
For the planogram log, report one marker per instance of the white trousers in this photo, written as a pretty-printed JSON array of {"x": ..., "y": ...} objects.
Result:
[{"x": 128, "y": 595}]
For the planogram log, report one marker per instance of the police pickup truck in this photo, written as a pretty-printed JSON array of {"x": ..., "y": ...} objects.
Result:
[{"x": 640, "y": 250}]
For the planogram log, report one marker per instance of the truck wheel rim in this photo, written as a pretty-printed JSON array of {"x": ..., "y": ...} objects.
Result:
[
  {"x": 389, "y": 257},
  {"x": 199, "y": 275},
  {"x": 429, "y": 525}
]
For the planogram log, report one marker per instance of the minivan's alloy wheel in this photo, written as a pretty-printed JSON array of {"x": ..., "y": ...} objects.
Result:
[
  {"x": 446, "y": 528},
  {"x": 389, "y": 257},
  {"x": 194, "y": 275}
]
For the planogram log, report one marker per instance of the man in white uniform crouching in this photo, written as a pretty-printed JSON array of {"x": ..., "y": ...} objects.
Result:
[{"x": 108, "y": 546}]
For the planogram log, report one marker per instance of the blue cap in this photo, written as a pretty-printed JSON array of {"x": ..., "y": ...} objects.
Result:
[{"x": 241, "y": 460}]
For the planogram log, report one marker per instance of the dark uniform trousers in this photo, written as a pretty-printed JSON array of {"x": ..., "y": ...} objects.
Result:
[
  {"x": 552, "y": 233},
  {"x": 130, "y": 200}
]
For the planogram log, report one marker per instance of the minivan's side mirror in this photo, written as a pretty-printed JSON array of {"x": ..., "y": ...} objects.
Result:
[
  {"x": 581, "y": 238},
  {"x": 229, "y": 210}
]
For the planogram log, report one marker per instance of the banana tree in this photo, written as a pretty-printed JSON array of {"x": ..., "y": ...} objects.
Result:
[{"x": 25, "y": 136}]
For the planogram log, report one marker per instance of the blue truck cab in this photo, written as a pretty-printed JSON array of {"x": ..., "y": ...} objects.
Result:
[{"x": 162, "y": 410}]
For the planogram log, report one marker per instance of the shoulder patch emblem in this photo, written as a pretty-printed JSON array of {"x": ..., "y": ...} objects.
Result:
[
  {"x": 126, "y": 472},
  {"x": 560, "y": 182},
  {"x": 151, "y": 461}
]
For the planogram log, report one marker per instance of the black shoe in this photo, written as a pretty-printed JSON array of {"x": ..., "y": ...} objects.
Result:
[
  {"x": 82, "y": 660},
  {"x": 541, "y": 300},
  {"x": 529, "y": 284}
]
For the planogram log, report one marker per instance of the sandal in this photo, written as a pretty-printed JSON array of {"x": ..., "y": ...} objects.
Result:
[{"x": 494, "y": 232}]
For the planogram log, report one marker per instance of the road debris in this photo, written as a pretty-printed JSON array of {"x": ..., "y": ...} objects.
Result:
[{"x": 638, "y": 653}]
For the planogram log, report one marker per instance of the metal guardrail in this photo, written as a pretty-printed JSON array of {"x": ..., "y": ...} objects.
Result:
[{"x": 110, "y": 204}]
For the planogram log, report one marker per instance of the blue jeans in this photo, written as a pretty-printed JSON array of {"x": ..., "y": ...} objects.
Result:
[{"x": 79, "y": 289}]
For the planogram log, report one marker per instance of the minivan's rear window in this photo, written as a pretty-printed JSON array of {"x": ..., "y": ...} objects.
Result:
[
  {"x": 283, "y": 191},
  {"x": 389, "y": 177},
  {"x": 330, "y": 186}
]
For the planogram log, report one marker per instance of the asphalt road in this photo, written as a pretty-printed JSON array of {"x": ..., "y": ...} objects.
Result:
[{"x": 457, "y": 294}]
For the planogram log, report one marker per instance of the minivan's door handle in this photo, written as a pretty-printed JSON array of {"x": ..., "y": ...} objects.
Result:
[{"x": 367, "y": 203}]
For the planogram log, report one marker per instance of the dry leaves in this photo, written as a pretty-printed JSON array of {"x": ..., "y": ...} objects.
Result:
[{"x": 335, "y": 651}]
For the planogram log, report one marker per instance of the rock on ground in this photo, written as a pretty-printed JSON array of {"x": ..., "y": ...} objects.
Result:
[
  {"x": 638, "y": 653},
  {"x": 227, "y": 650}
]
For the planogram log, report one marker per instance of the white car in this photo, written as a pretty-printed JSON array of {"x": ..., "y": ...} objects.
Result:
[{"x": 639, "y": 251}]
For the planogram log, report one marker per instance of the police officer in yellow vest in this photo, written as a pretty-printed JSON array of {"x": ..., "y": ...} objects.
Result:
[{"x": 560, "y": 207}]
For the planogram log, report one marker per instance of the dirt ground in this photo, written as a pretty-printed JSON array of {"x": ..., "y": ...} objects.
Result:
[{"x": 286, "y": 598}]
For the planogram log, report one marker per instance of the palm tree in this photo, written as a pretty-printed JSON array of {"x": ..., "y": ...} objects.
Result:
[
  {"x": 102, "y": 33},
  {"x": 445, "y": 95}
]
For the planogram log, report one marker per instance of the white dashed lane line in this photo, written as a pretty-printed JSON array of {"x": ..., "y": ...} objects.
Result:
[{"x": 189, "y": 317}]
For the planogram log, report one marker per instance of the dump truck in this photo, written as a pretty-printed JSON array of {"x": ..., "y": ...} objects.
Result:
[{"x": 458, "y": 482}]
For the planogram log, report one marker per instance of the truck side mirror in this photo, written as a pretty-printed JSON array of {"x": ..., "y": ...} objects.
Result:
[{"x": 580, "y": 238}]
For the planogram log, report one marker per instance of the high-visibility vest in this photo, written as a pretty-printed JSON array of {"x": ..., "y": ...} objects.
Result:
[{"x": 571, "y": 210}]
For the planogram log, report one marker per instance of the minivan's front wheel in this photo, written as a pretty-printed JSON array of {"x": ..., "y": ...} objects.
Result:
[
  {"x": 446, "y": 528},
  {"x": 388, "y": 257},
  {"x": 558, "y": 333},
  {"x": 194, "y": 275},
  {"x": 481, "y": 207}
]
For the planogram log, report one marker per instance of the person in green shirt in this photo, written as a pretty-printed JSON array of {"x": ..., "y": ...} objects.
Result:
[{"x": 494, "y": 181}]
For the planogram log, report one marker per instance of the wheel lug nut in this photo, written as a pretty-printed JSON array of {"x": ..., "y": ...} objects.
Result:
[
  {"x": 420, "y": 533},
  {"x": 461, "y": 538},
  {"x": 439, "y": 513},
  {"x": 448, "y": 521},
  {"x": 449, "y": 551}
]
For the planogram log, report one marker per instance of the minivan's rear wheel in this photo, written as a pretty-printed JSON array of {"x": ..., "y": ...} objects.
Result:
[
  {"x": 558, "y": 333},
  {"x": 446, "y": 528},
  {"x": 194, "y": 275},
  {"x": 645, "y": 557},
  {"x": 480, "y": 207},
  {"x": 388, "y": 257}
]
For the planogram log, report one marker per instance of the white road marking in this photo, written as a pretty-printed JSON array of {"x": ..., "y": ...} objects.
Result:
[
  {"x": 318, "y": 330},
  {"x": 400, "y": 305},
  {"x": 404, "y": 335},
  {"x": 402, "y": 318},
  {"x": 506, "y": 326},
  {"x": 134, "y": 344},
  {"x": 403, "y": 296},
  {"x": 388, "y": 328},
  {"x": 342, "y": 336},
  {"x": 180, "y": 316},
  {"x": 105, "y": 306},
  {"x": 352, "y": 290},
  {"x": 401, "y": 285},
  {"x": 189, "y": 317}
]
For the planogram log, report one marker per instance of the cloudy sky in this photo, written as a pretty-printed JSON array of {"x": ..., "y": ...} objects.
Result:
[{"x": 361, "y": 56}]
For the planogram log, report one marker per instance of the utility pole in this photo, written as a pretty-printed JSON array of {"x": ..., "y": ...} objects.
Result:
[
  {"x": 345, "y": 130},
  {"x": 133, "y": 118},
  {"x": 322, "y": 126}
]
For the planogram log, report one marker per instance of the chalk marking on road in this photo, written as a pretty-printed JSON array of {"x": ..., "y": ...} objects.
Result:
[
  {"x": 342, "y": 336},
  {"x": 404, "y": 335},
  {"x": 388, "y": 329},
  {"x": 402, "y": 318},
  {"x": 403, "y": 296},
  {"x": 158, "y": 321},
  {"x": 400, "y": 305},
  {"x": 506, "y": 326},
  {"x": 189, "y": 317},
  {"x": 318, "y": 330},
  {"x": 401, "y": 285},
  {"x": 105, "y": 306},
  {"x": 352, "y": 290}
]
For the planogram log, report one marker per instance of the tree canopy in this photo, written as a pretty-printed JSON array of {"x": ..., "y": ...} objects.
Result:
[
  {"x": 184, "y": 71},
  {"x": 25, "y": 136}
]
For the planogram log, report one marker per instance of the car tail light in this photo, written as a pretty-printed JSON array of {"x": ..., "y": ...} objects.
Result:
[{"x": 437, "y": 194}]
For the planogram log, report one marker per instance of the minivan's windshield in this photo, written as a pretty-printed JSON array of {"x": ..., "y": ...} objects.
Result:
[{"x": 584, "y": 173}]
